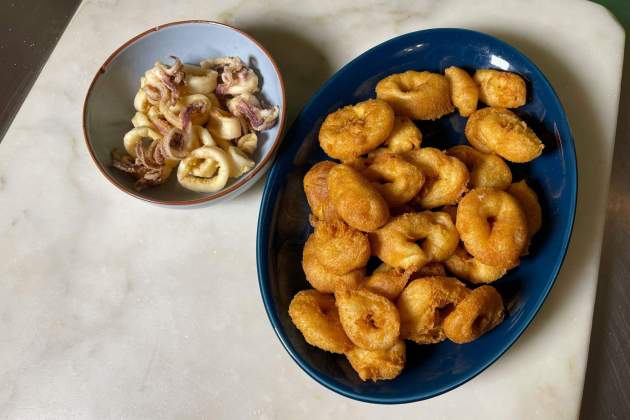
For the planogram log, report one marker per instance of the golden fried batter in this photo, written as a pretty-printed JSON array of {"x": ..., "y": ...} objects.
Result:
[
  {"x": 387, "y": 281},
  {"x": 316, "y": 190},
  {"x": 419, "y": 95},
  {"x": 468, "y": 268},
  {"x": 500, "y": 88},
  {"x": 354, "y": 130},
  {"x": 340, "y": 248},
  {"x": 429, "y": 270},
  {"x": 486, "y": 170},
  {"x": 464, "y": 91},
  {"x": 405, "y": 136},
  {"x": 478, "y": 313},
  {"x": 528, "y": 200},
  {"x": 376, "y": 365},
  {"x": 396, "y": 179}
]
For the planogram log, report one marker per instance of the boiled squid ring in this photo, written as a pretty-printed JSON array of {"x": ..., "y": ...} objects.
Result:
[{"x": 197, "y": 157}]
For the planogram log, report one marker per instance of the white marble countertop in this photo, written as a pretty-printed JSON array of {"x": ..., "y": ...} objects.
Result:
[{"x": 112, "y": 308}]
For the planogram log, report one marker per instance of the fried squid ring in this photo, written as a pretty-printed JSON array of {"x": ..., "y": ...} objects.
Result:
[
  {"x": 316, "y": 190},
  {"x": 371, "y": 321},
  {"x": 203, "y": 135},
  {"x": 158, "y": 120},
  {"x": 136, "y": 135},
  {"x": 500, "y": 131},
  {"x": 424, "y": 304},
  {"x": 140, "y": 119},
  {"x": 199, "y": 80},
  {"x": 356, "y": 200},
  {"x": 357, "y": 129},
  {"x": 486, "y": 170},
  {"x": 387, "y": 281},
  {"x": 222, "y": 124},
  {"x": 430, "y": 270},
  {"x": 141, "y": 102},
  {"x": 417, "y": 95},
  {"x": 467, "y": 267},
  {"x": 395, "y": 243},
  {"x": 475, "y": 315},
  {"x": 404, "y": 137},
  {"x": 464, "y": 91},
  {"x": 500, "y": 88},
  {"x": 340, "y": 248},
  {"x": 322, "y": 279},
  {"x": 492, "y": 226},
  {"x": 239, "y": 162},
  {"x": 446, "y": 177},
  {"x": 197, "y": 157},
  {"x": 374, "y": 365},
  {"x": 396, "y": 179},
  {"x": 317, "y": 318},
  {"x": 528, "y": 200}
]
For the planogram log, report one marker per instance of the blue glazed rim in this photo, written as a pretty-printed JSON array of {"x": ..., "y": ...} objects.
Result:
[{"x": 288, "y": 151}]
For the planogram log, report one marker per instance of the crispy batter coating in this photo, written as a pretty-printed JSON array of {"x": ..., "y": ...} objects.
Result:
[
  {"x": 419, "y": 95},
  {"x": 354, "y": 130},
  {"x": 500, "y": 88},
  {"x": 322, "y": 279},
  {"x": 316, "y": 190},
  {"x": 478, "y": 313},
  {"x": 464, "y": 91},
  {"x": 387, "y": 281},
  {"x": 466, "y": 267},
  {"x": 371, "y": 321},
  {"x": 396, "y": 179},
  {"x": 486, "y": 169},
  {"x": 446, "y": 177},
  {"x": 528, "y": 200},
  {"x": 492, "y": 226},
  {"x": 451, "y": 211},
  {"x": 430, "y": 269},
  {"x": 405, "y": 136},
  {"x": 340, "y": 248},
  {"x": 395, "y": 243},
  {"x": 317, "y": 318},
  {"x": 356, "y": 200},
  {"x": 424, "y": 304},
  {"x": 374, "y": 365},
  {"x": 500, "y": 131}
]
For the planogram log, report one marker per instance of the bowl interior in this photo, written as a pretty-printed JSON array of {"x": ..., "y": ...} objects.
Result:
[
  {"x": 284, "y": 227},
  {"x": 109, "y": 104}
]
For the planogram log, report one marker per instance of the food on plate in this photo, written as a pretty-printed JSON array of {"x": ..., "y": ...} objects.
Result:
[
  {"x": 377, "y": 365},
  {"x": 419, "y": 95},
  {"x": 528, "y": 200},
  {"x": 316, "y": 190},
  {"x": 179, "y": 121},
  {"x": 323, "y": 279},
  {"x": 464, "y": 91},
  {"x": 405, "y": 136},
  {"x": 354, "y": 130},
  {"x": 387, "y": 281},
  {"x": 500, "y": 88},
  {"x": 476, "y": 314},
  {"x": 500, "y": 131},
  {"x": 370, "y": 320},
  {"x": 486, "y": 169},
  {"x": 356, "y": 200},
  {"x": 492, "y": 226},
  {"x": 396, "y": 179},
  {"x": 340, "y": 248},
  {"x": 396, "y": 242},
  {"x": 465, "y": 266},
  {"x": 424, "y": 304},
  {"x": 446, "y": 177},
  {"x": 316, "y": 316}
]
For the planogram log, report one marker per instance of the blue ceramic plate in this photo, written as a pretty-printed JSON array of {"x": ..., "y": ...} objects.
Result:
[{"x": 283, "y": 221}]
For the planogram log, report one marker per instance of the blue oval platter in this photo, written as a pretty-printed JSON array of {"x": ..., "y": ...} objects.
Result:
[{"x": 283, "y": 221}]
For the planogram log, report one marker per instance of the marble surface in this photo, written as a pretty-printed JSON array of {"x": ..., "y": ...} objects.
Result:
[{"x": 112, "y": 308}]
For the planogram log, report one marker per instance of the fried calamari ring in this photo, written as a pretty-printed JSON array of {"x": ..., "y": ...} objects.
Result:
[
  {"x": 417, "y": 95},
  {"x": 424, "y": 304},
  {"x": 396, "y": 179},
  {"x": 395, "y": 243},
  {"x": 354, "y": 130},
  {"x": 500, "y": 88},
  {"x": 464, "y": 91},
  {"x": 356, "y": 200},
  {"x": 492, "y": 226},
  {"x": 446, "y": 177},
  {"x": 405, "y": 136},
  {"x": 376, "y": 365},
  {"x": 478, "y": 313},
  {"x": 467, "y": 267},
  {"x": 316, "y": 190},
  {"x": 208, "y": 181},
  {"x": 322, "y": 279},
  {"x": 340, "y": 248},
  {"x": 317, "y": 318},
  {"x": 486, "y": 170},
  {"x": 528, "y": 200},
  {"x": 371, "y": 321},
  {"x": 429, "y": 270},
  {"x": 387, "y": 281},
  {"x": 451, "y": 211},
  {"x": 500, "y": 131}
]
